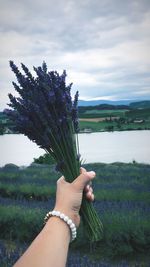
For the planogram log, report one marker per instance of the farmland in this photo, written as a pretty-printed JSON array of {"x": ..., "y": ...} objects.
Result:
[
  {"x": 122, "y": 202},
  {"x": 135, "y": 116},
  {"x": 117, "y": 119}
]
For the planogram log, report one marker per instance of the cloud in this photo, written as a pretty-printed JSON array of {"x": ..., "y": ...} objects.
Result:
[{"x": 103, "y": 45}]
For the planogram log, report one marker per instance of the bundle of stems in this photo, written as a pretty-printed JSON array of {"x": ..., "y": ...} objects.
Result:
[{"x": 47, "y": 115}]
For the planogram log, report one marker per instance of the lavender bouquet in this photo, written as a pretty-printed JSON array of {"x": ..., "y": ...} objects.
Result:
[{"x": 46, "y": 114}]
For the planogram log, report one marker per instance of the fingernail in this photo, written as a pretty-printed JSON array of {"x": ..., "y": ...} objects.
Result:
[{"x": 92, "y": 173}]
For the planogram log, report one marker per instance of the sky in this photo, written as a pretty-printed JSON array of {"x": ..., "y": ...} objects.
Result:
[{"x": 102, "y": 44}]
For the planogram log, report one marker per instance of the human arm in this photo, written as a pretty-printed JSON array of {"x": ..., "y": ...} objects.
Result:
[{"x": 50, "y": 247}]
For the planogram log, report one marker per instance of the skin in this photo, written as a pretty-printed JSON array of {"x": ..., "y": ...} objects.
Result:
[{"x": 50, "y": 247}]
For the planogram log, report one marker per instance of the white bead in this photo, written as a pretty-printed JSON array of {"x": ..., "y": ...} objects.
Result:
[
  {"x": 69, "y": 221},
  {"x": 72, "y": 225},
  {"x": 54, "y": 213},
  {"x": 66, "y": 219},
  {"x": 62, "y": 216}
]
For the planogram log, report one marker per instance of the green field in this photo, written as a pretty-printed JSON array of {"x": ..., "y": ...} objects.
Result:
[
  {"x": 128, "y": 114},
  {"x": 122, "y": 202},
  {"x": 105, "y": 113},
  {"x": 116, "y": 119},
  {"x": 113, "y": 126},
  {"x": 133, "y": 119},
  {"x": 139, "y": 114}
]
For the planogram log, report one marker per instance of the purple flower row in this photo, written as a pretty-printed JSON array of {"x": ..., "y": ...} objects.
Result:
[{"x": 142, "y": 209}]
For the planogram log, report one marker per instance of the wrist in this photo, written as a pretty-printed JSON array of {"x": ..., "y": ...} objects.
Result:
[
  {"x": 61, "y": 228},
  {"x": 63, "y": 217}
]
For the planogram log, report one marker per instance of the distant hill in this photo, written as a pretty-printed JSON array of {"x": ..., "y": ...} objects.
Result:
[
  {"x": 140, "y": 104},
  {"x": 109, "y": 102}
]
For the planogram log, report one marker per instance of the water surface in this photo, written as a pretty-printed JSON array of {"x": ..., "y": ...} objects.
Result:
[{"x": 105, "y": 147}]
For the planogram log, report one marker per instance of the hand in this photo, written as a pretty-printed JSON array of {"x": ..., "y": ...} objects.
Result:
[{"x": 69, "y": 195}]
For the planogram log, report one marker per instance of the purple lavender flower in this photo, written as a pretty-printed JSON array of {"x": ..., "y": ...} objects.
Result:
[
  {"x": 75, "y": 112},
  {"x": 46, "y": 114}
]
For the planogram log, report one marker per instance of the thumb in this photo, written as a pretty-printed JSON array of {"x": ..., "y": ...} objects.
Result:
[
  {"x": 61, "y": 180},
  {"x": 83, "y": 179}
]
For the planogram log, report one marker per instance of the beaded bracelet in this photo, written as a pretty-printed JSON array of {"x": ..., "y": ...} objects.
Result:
[{"x": 65, "y": 218}]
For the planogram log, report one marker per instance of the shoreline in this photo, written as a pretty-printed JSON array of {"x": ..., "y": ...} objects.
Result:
[
  {"x": 38, "y": 165},
  {"x": 95, "y": 131}
]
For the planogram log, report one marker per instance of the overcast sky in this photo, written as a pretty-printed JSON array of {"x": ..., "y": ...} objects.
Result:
[{"x": 102, "y": 44}]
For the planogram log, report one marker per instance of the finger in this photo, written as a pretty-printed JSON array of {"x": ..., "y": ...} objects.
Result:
[
  {"x": 61, "y": 180},
  {"x": 91, "y": 189},
  {"x": 82, "y": 170},
  {"x": 90, "y": 196},
  {"x": 88, "y": 188},
  {"x": 83, "y": 179}
]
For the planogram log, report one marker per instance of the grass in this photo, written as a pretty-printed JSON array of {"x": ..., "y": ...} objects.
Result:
[
  {"x": 34, "y": 182},
  {"x": 28, "y": 221},
  {"x": 27, "y": 191},
  {"x": 121, "y": 194}
]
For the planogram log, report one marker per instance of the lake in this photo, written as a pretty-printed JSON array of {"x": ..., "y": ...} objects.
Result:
[{"x": 104, "y": 147}]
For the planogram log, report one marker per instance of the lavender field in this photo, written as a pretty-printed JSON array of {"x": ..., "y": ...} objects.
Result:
[{"x": 122, "y": 200}]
